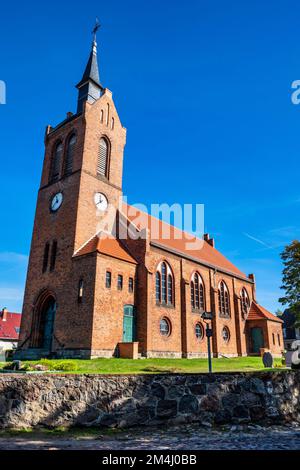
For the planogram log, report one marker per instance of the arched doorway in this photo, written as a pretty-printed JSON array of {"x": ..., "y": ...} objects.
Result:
[{"x": 43, "y": 322}]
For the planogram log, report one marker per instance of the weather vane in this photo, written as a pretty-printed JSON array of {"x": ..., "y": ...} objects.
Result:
[{"x": 95, "y": 29}]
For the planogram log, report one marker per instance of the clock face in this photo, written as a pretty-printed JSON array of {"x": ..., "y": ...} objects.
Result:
[
  {"x": 101, "y": 201},
  {"x": 56, "y": 202}
]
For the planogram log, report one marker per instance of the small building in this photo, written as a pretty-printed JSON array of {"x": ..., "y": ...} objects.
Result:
[
  {"x": 9, "y": 332},
  {"x": 263, "y": 331},
  {"x": 290, "y": 331}
]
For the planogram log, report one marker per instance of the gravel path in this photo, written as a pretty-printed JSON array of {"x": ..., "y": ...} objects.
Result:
[{"x": 179, "y": 438}]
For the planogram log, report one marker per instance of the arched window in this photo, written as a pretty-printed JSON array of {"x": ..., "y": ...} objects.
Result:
[
  {"x": 170, "y": 289},
  {"x": 224, "y": 303},
  {"x": 103, "y": 157},
  {"x": 56, "y": 162},
  {"x": 197, "y": 292},
  {"x": 158, "y": 287},
  {"x": 192, "y": 294},
  {"x": 112, "y": 123},
  {"x": 70, "y": 155},
  {"x": 164, "y": 285},
  {"x": 245, "y": 302}
]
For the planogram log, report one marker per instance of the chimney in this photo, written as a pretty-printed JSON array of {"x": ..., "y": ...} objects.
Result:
[
  {"x": 209, "y": 240},
  {"x": 4, "y": 314}
]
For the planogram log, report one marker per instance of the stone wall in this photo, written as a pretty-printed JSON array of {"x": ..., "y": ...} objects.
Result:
[{"x": 124, "y": 401}]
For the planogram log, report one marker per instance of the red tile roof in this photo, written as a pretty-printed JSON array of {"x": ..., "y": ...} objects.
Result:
[
  {"x": 179, "y": 241},
  {"x": 257, "y": 312},
  {"x": 107, "y": 245},
  {"x": 8, "y": 327}
]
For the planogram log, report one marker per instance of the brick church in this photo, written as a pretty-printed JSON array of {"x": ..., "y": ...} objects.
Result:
[{"x": 93, "y": 293}]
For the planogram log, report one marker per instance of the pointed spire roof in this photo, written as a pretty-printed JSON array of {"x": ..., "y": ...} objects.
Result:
[
  {"x": 91, "y": 70},
  {"x": 89, "y": 87}
]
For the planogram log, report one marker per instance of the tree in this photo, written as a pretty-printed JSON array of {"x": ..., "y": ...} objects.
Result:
[{"x": 291, "y": 278}]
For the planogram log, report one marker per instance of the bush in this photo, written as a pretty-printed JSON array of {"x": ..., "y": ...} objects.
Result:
[
  {"x": 8, "y": 366},
  {"x": 66, "y": 366}
]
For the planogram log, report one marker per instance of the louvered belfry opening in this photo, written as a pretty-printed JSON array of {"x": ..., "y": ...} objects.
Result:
[
  {"x": 56, "y": 159},
  {"x": 103, "y": 156},
  {"x": 70, "y": 155}
]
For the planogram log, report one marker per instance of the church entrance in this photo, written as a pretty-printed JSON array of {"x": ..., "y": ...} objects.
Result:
[
  {"x": 129, "y": 319},
  {"x": 44, "y": 323},
  {"x": 257, "y": 338}
]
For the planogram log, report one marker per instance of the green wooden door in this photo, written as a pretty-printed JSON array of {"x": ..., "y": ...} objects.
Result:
[
  {"x": 49, "y": 316},
  {"x": 257, "y": 339},
  {"x": 128, "y": 324}
]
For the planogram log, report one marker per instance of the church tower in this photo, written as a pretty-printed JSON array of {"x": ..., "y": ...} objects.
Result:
[{"x": 81, "y": 176}]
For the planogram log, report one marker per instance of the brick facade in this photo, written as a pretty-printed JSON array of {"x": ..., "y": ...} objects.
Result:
[{"x": 88, "y": 320}]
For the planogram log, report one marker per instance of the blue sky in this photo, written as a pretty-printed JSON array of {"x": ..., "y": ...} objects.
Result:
[{"x": 204, "y": 89}]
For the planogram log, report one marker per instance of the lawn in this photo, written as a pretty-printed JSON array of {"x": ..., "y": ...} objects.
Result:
[{"x": 148, "y": 366}]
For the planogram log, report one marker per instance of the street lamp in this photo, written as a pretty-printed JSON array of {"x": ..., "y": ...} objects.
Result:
[{"x": 207, "y": 317}]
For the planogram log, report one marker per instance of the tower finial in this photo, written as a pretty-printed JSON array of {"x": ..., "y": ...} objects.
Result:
[{"x": 95, "y": 29}]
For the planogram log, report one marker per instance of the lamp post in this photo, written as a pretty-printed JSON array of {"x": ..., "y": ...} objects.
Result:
[{"x": 207, "y": 317}]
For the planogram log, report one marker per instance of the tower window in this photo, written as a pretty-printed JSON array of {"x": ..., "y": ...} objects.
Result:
[
  {"x": 223, "y": 297},
  {"x": 46, "y": 256},
  {"x": 56, "y": 162},
  {"x": 103, "y": 157},
  {"x": 101, "y": 115},
  {"x": 70, "y": 155},
  {"x": 80, "y": 290},
  {"x": 278, "y": 336},
  {"x": 53, "y": 255},
  {"x": 108, "y": 279},
  {"x": 130, "y": 284},
  {"x": 112, "y": 123},
  {"x": 120, "y": 282}
]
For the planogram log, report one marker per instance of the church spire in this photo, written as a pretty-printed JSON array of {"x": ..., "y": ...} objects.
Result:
[{"x": 89, "y": 87}]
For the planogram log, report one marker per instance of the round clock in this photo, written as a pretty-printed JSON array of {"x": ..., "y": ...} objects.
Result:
[
  {"x": 101, "y": 201},
  {"x": 56, "y": 202}
]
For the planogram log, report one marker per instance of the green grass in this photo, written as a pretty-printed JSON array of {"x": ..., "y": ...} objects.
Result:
[{"x": 148, "y": 366}]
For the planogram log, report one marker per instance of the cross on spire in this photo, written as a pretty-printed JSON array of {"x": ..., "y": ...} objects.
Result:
[{"x": 95, "y": 29}]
